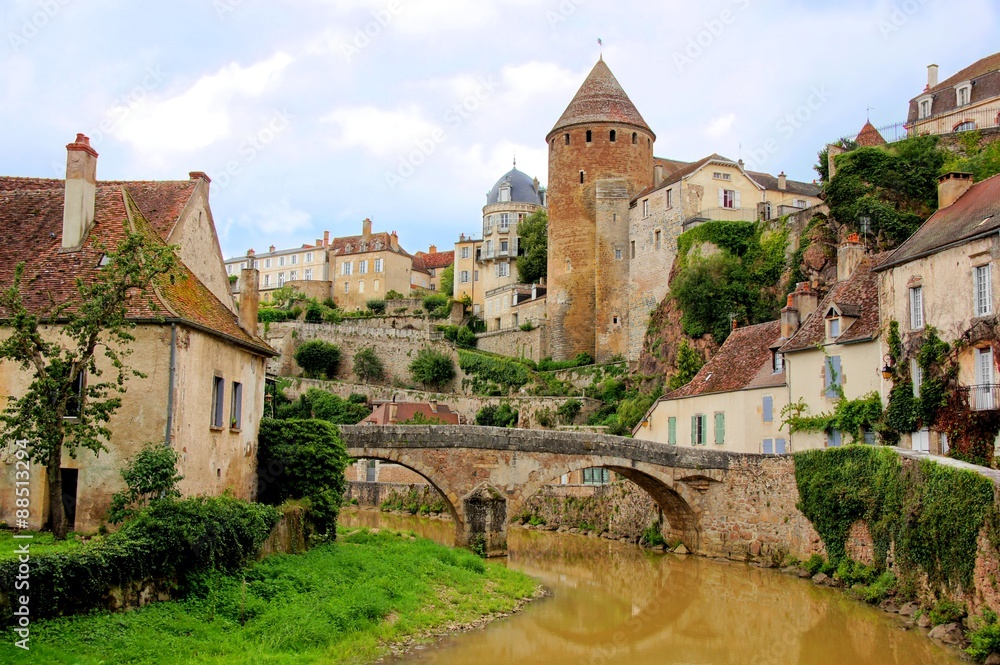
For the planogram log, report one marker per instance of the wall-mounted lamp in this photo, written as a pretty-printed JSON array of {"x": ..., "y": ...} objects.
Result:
[{"x": 887, "y": 367}]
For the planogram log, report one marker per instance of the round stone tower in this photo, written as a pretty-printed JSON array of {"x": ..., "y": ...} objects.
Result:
[{"x": 600, "y": 157}]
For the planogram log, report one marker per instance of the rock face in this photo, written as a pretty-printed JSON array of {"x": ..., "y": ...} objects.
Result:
[
  {"x": 821, "y": 579},
  {"x": 949, "y": 633},
  {"x": 909, "y": 609},
  {"x": 993, "y": 659}
]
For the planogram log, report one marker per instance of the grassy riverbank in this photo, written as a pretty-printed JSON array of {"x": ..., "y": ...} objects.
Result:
[
  {"x": 344, "y": 603},
  {"x": 41, "y": 542}
]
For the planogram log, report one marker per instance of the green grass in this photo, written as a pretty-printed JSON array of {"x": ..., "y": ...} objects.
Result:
[
  {"x": 41, "y": 543},
  {"x": 343, "y": 602}
]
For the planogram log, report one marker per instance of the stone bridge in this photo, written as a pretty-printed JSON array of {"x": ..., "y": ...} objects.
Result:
[{"x": 718, "y": 503}]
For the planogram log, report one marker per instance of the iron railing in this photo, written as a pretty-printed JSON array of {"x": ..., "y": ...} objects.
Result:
[{"x": 983, "y": 397}]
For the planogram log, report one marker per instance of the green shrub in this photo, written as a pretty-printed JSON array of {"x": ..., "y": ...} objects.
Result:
[
  {"x": 393, "y": 295},
  {"x": 484, "y": 369},
  {"x": 434, "y": 301},
  {"x": 466, "y": 338},
  {"x": 569, "y": 410},
  {"x": 302, "y": 459},
  {"x": 151, "y": 475},
  {"x": 271, "y": 315},
  {"x": 544, "y": 417},
  {"x": 432, "y": 368},
  {"x": 314, "y": 313},
  {"x": 316, "y": 403},
  {"x": 946, "y": 611},
  {"x": 368, "y": 366},
  {"x": 651, "y": 536},
  {"x": 318, "y": 359},
  {"x": 527, "y": 326},
  {"x": 493, "y": 415},
  {"x": 376, "y": 305},
  {"x": 984, "y": 638},
  {"x": 883, "y": 587},
  {"x": 814, "y": 564}
]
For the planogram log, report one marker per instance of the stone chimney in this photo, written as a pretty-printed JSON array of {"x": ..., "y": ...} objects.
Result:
[
  {"x": 251, "y": 253},
  {"x": 433, "y": 249},
  {"x": 932, "y": 76},
  {"x": 326, "y": 238},
  {"x": 434, "y": 405},
  {"x": 849, "y": 255},
  {"x": 782, "y": 181},
  {"x": 832, "y": 152},
  {"x": 271, "y": 249},
  {"x": 81, "y": 192},
  {"x": 657, "y": 175},
  {"x": 366, "y": 229},
  {"x": 951, "y": 186},
  {"x": 802, "y": 302},
  {"x": 394, "y": 240},
  {"x": 249, "y": 299}
]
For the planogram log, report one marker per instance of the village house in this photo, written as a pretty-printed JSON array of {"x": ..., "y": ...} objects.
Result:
[
  {"x": 304, "y": 268},
  {"x": 733, "y": 403},
  {"x": 203, "y": 393},
  {"x": 368, "y": 266},
  {"x": 434, "y": 263},
  {"x": 943, "y": 277},
  {"x": 967, "y": 100}
]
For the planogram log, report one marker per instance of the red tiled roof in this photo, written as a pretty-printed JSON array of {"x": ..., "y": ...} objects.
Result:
[
  {"x": 601, "y": 98},
  {"x": 857, "y": 297},
  {"x": 869, "y": 137},
  {"x": 741, "y": 362},
  {"x": 384, "y": 413},
  {"x": 31, "y": 231},
  {"x": 976, "y": 213},
  {"x": 377, "y": 242},
  {"x": 669, "y": 165},
  {"x": 435, "y": 260}
]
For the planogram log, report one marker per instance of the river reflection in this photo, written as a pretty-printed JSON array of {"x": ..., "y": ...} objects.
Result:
[{"x": 615, "y": 603}]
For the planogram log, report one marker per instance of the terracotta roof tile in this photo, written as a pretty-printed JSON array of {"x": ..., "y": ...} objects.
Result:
[
  {"x": 435, "y": 260},
  {"x": 742, "y": 362},
  {"x": 856, "y": 297},
  {"x": 356, "y": 244},
  {"x": 869, "y": 137},
  {"x": 601, "y": 98},
  {"x": 975, "y": 213},
  {"x": 770, "y": 183}
]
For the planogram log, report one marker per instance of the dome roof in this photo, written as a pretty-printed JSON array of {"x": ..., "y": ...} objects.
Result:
[
  {"x": 522, "y": 189},
  {"x": 601, "y": 99}
]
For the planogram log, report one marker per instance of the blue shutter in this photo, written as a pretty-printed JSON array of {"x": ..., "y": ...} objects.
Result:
[
  {"x": 768, "y": 408},
  {"x": 768, "y": 447},
  {"x": 779, "y": 446},
  {"x": 834, "y": 376},
  {"x": 833, "y": 440}
]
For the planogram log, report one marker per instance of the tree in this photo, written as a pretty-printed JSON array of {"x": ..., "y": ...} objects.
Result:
[
  {"x": 689, "y": 362},
  {"x": 318, "y": 359},
  {"x": 448, "y": 280},
  {"x": 322, "y": 405},
  {"x": 67, "y": 406},
  {"x": 368, "y": 366},
  {"x": 533, "y": 244},
  {"x": 432, "y": 368},
  {"x": 497, "y": 415},
  {"x": 149, "y": 476}
]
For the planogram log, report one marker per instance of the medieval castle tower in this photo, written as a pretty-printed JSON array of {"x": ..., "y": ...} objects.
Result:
[{"x": 600, "y": 158}]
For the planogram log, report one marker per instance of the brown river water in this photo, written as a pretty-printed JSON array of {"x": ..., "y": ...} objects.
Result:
[{"x": 616, "y": 603}]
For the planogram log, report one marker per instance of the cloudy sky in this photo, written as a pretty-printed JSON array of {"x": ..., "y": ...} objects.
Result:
[{"x": 310, "y": 115}]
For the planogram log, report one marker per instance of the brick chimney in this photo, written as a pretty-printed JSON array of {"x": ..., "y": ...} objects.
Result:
[
  {"x": 251, "y": 253},
  {"x": 271, "y": 249},
  {"x": 326, "y": 238},
  {"x": 782, "y": 181},
  {"x": 199, "y": 175},
  {"x": 932, "y": 76},
  {"x": 433, "y": 249},
  {"x": 366, "y": 229},
  {"x": 849, "y": 255},
  {"x": 657, "y": 175},
  {"x": 393, "y": 240},
  {"x": 800, "y": 304},
  {"x": 81, "y": 192},
  {"x": 249, "y": 299},
  {"x": 951, "y": 186}
]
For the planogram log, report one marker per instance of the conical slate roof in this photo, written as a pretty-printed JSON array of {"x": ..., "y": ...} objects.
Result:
[{"x": 601, "y": 99}]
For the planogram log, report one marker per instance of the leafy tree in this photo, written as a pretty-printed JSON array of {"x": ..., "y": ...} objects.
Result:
[
  {"x": 322, "y": 405},
  {"x": 448, "y": 280},
  {"x": 376, "y": 305},
  {"x": 149, "y": 476},
  {"x": 314, "y": 313},
  {"x": 493, "y": 415},
  {"x": 394, "y": 295},
  {"x": 318, "y": 359},
  {"x": 284, "y": 296},
  {"x": 569, "y": 410},
  {"x": 96, "y": 316},
  {"x": 432, "y": 368},
  {"x": 302, "y": 459},
  {"x": 689, "y": 362},
  {"x": 368, "y": 366},
  {"x": 533, "y": 243}
]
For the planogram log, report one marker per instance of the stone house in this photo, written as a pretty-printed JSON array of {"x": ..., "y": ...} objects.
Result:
[
  {"x": 943, "y": 276},
  {"x": 838, "y": 348},
  {"x": 467, "y": 249},
  {"x": 734, "y": 403},
  {"x": 203, "y": 393},
  {"x": 967, "y": 100},
  {"x": 368, "y": 266},
  {"x": 305, "y": 268},
  {"x": 434, "y": 263}
]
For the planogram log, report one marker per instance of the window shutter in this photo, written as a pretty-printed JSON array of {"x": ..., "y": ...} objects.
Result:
[
  {"x": 720, "y": 428},
  {"x": 737, "y": 199},
  {"x": 768, "y": 447},
  {"x": 722, "y": 198},
  {"x": 694, "y": 430},
  {"x": 834, "y": 377},
  {"x": 768, "y": 408},
  {"x": 779, "y": 446},
  {"x": 672, "y": 431},
  {"x": 703, "y": 430}
]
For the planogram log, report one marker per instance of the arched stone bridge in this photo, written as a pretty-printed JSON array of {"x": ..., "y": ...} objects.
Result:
[{"x": 736, "y": 505}]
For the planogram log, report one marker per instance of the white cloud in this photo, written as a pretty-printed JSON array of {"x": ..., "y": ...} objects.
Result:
[
  {"x": 275, "y": 219},
  {"x": 378, "y": 131},
  {"x": 720, "y": 125},
  {"x": 200, "y": 115}
]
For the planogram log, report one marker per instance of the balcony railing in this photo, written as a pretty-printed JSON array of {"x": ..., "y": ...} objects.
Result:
[{"x": 983, "y": 397}]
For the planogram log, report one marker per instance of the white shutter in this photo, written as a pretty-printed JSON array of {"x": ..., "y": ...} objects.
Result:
[
  {"x": 737, "y": 200},
  {"x": 722, "y": 198}
]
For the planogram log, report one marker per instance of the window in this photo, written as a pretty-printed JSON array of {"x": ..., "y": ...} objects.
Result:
[
  {"x": 464, "y": 277},
  {"x": 361, "y": 286},
  {"x": 925, "y": 109},
  {"x": 963, "y": 94},
  {"x": 267, "y": 263},
  {"x": 672, "y": 431},
  {"x": 309, "y": 273},
  {"x": 778, "y": 361},
  {"x": 720, "y": 428},
  {"x": 281, "y": 260},
  {"x": 566, "y": 137},
  {"x": 645, "y": 207},
  {"x": 833, "y": 438},
  {"x": 489, "y": 249},
  {"x": 75, "y": 401},
  {"x": 309, "y": 257},
  {"x": 833, "y": 378},
  {"x": 295, "y": 259},
  {"x": 229, "y": 269},
  {"x": 768, "y": 410},
  {"x": 581, "y": 177},
  {"x": 616, "y": 320},
  {"x": 363, "y": 267},
  {"x": 635, "y": 139},
  {"x": 256, "y": 265},
  {"x": 590, "y": 136},
  {"x": 984, "y": 290},
  {"x": 218, "y": 401},
  {"x": 505, "y": 221},
  {"x": 800, "y": 203},
  {"x": 236, "y": 408},
  {"x": 475, "y": 275},
  {"x": 834, "y": 325},
  {"x": 346, "y": 268},
  {"x": 267, "y": 280},
  {"x": 916, "y": 376},
  {"x": 281, "y": 279},
  {"x": 504, "y": 247},
  {"x": 504, "y": 194},
  {"x": 377, "y": 286},
  {"x": 466, "y": 253},
  {"x": 618, "y": 254},
  {"x": 966, "y": 126},
  {"x": 378, "y": 265},
  {"x": 656, "y": 239},
  {"x": 293, "y": 275},
  {"x": 596, "y": 476},
  {"x": 698, "y": 426},
  {"x": 984, "y": 379},
  {"x": 729, "y": 199},
  {"x": 347, "y": 287},
  {"x": 632, "y": 249},
  {"x": 916, "y": 308},
  {"x": 768, "y": 212},
  {"x": 503, "y": 269},
  {"x": 718, "y": 175},
  {"x": 613, "y": 136},
  {"x": 670, "y": 198}
]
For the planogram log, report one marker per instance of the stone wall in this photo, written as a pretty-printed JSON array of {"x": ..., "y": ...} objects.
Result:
[
  {"x": 620, "y": 509},
  {"x": 516, "y": 343}
]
